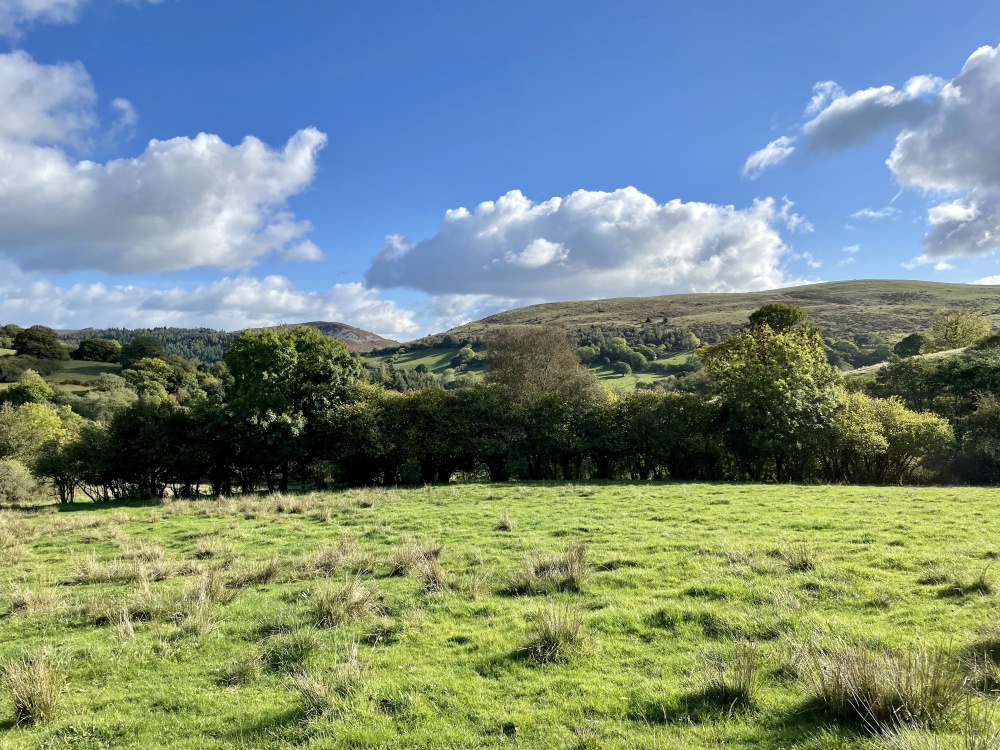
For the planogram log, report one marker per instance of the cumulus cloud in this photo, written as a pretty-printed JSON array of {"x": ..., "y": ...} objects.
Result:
[
  {"x": 591, "y": 244},
  {"x": 16, "y": 15},
  {"x": 945, "y": 143},
  {"x": 988, "y": 281},
  {"x": 773, "y": 153},
  {"x": 229, "y": 303},
  {"x": 182, "y": 203}
]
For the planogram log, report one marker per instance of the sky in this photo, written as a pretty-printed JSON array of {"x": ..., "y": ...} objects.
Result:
[{"x": 406, "y": 167}]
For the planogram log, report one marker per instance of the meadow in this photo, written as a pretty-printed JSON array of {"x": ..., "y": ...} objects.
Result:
[{"x": 618, "y": 615}]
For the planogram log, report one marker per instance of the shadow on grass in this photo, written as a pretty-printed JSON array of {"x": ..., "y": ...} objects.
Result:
[{"x": 268, "y": 729}]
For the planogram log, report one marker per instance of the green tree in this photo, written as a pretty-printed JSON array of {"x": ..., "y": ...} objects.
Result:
[
  {"x": 30, "y": 389},
  {"x": 41, "y": 342},
  {"x": 777, "y": 390},
  {"x": 910, "y": 346},
  {"x": 97, "y": 350},
  {"x": 283, "y": 380},
  {"x": 141, "y": 347},
  {"x": 777, "y": 316},
  {"x": 955, "y": 330},
  {"x": 527, "y": 361}
]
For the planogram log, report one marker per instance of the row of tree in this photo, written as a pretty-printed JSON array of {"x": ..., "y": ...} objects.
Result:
[{"x": 293, "y": 407}]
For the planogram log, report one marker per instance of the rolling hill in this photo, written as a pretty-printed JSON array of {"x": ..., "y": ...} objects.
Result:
[{"x": 892, "y": 309}]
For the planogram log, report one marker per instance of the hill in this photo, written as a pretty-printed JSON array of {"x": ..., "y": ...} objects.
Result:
[
  {"x": 357, "y": 340},
  {"x": 209, "y": 345},
  {"x": 842, "y": 309}
]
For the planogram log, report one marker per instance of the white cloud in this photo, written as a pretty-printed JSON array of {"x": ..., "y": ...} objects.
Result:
[
  {"x": 228, "y": 303},
  {"x": 128, "y": 118},
  {"x": 618, "y": 243},
  {"x": 15, "y": 15},
  {"x": 988, "y": 281},
  {"x": 942, "y": 266},
  {"x": 539, "y": 252},
  {"x": 182, "y": 203},
  {"x": 945, "y": 142},
  {"x": 875, "y": 214},
  {"x": 773, "y": 153},
  {"x": 851, "y": 249}
]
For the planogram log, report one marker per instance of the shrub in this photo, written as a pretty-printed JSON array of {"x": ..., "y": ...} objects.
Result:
[
  {"x": 356, "y": 600},
  {"x": 884, "y": 689},
  {"x": 556, "y": 631},
  {"x": 35, "y": 683},
  {"x": 506, "y": 523},
  {"x": 17, "y": 486},
  {"x": 242, "y": 670}
]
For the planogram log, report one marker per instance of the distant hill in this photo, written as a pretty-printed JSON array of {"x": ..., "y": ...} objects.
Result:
[
  {"x": 357, "y": 340},
  {"x": 209, "y": 345},
  {"x": 892, "y": 309}
]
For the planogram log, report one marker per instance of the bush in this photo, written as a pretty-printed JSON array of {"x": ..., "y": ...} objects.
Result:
[{"x": 17, "y": 486}]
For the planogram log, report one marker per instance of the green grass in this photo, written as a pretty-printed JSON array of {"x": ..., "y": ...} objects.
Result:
[
  {"x": 83, "y": 373},
  {"x": 205, "y": 624}
]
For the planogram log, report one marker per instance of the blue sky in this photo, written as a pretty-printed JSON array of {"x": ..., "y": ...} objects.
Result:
[{"x": 607, "y": 142}]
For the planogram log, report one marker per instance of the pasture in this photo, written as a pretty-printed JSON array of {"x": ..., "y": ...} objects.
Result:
[{"x": 628, "y": 615}]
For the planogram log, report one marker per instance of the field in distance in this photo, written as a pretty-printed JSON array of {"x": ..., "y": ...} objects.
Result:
[{"x": 514, "y": 615}]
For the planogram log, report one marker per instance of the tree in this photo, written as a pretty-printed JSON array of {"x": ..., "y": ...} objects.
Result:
[
  {"x": 97, "y": 350},
  {"x": 777, "y": 316},
  {"x": 955, "y": 330},
  {"x": 283, "y": 380},
  {"x": 25, "y": 429},
  {"x": 41, "y": 342},
  {"x": 910, "y": 346},
  {"x": 527, "y": 361},
  {"x": 776, "y": 390},
  {"x": 30, "y": 389},
  {"x": 142, "y": 347},
  {"x": 621, "y": 368}
]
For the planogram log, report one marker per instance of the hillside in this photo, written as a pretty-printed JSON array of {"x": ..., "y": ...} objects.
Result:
[
  {"x": 841, "y": 308},
  {"x": 209, "y": 345},
  {"x": 357, "y": 340}
]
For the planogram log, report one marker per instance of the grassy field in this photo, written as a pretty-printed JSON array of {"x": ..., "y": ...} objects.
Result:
[
  {"x": 72, "y": 375},
  {"x": 443, "y": 617}
]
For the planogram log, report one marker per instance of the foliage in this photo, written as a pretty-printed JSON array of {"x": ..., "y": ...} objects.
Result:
[
  {"x": 41, "y": 342},
  {"x": 141, "y": 348},
  {"x": 97, "y": 350},
  {"x": 30, "y": 389},
  {"x": 777, "y": 316},
  {"x": 954, "y": 330},
  {"x": 17, "y": 486},
  {"x": 777, "y": 391}
]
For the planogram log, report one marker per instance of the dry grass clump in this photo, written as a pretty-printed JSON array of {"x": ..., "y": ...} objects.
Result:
[
  {"x": 284, "y": 652},
  {"x": 431, "y": 577},
  {"x": 566, "y": 571},
  {"x": 195, "y": 609},
  {"x": 357, "y": 600},
  {"x": 411, "y": 555},
  {"x": 144, "y": 551},
  {"x": 208, "y": 548},
  {"x": 242, "y": 671},
  {"x": 34, "y": 681},
  {"x": 734, "y": 681},
  {"x": 506, "y": 523},
  {"x": 556, "y": 631},
  {"x": 121, "y": 623},
  {"x": 977, "y": 730},
  {"x": 346, "y": 555},
  {"x": 256, "y": 574},
  {"x": 883, "y": 689},
  {"x": 89, "y": 569},
  {"x": 41, "y": 597},
  {"x": 15, "y": 531},
  {"x": 799, "y": 557},
  {"x": 321, "y": 689}
]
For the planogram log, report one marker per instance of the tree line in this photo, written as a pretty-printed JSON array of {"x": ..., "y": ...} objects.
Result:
[{"x": 290, "y": 407}]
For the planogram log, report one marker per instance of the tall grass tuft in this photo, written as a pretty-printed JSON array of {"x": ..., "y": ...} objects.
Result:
[
  {"x": 506, "y": 523},
  {"x": 976, "y": 730},
  {"x": 734, "y": 681},
  {"x": 34, "y": 681},
  {"x": 410, "y": 555},
  {"x": 357, "y": 600},
  {"x": 320, "y": 689},
  {"x": 255, "y": 574},
  {"x": 885, "y": 689},
  {"x": 556, "y": 631},
  {"x": 284, "y": 652},
  {"x": 566, "y": 571}
]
